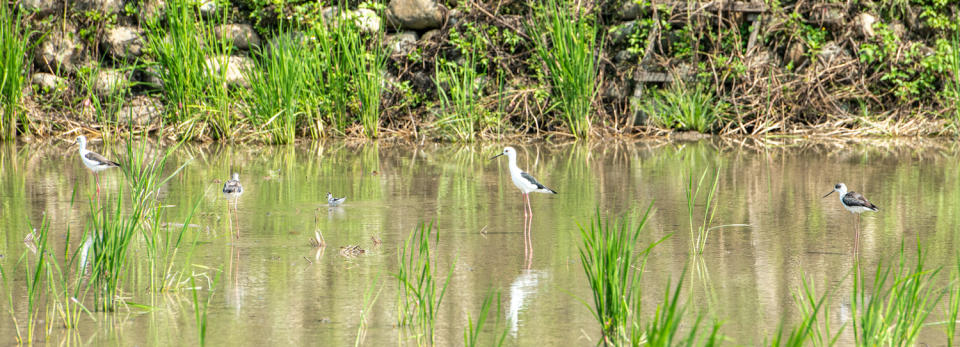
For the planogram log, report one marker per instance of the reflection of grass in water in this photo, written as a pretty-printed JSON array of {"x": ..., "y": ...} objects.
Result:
[
  {"x": 471, "y": 332},
  {"x": 200, "y": 309},
  {"x": 664, "y": 328},
  {"x": 35, "y": 270},
  {"x": 698, "y": 239},
  {"x": 420, "y": 294},
  {"x": 369, "y": 299},
  {"x": 893, "y": 310}
]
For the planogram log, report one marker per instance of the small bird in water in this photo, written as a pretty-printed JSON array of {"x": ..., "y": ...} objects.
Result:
[
  {"x": 333, "y": 202},
  {"x": 232, "y": 189},
  {"x": 93, "y": 161},
  {"x": 855, "y": 203}
]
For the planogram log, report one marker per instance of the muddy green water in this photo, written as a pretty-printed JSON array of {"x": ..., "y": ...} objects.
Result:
[{"x": 276, "y": 289}]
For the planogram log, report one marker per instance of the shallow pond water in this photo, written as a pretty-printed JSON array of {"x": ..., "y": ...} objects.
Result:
[{"x": 274, "y": 288}]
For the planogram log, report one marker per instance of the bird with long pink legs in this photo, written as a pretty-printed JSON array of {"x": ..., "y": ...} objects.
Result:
[
  {"x": 93, "y": 161},
  {"x": 527, "y": 184},
  {"x": 855, "y": 203},
  {"x": 232, "y": 189}
]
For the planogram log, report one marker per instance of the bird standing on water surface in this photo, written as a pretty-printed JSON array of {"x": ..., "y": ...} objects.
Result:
[
  {"x": 232, "y": 189},
  {"x": 855, "y": 203},
  {"x": 93, "y": 161},
  {"x": 527, "y": 184}
]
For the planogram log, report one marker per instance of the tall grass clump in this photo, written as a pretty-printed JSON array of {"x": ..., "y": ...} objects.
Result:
[
  {"x": 420, "y": 293},
  {"x": 192, "y": 63},
  {"x": 814, "y": 328},
  {"x": 13, "y": 53},
  {"x": 613, "y": 268},
  {"x": 566, "y": 41},
  {"x": 682, "y": 108},
  {"x": 700, "y": 232},
  {"x": 952, "y": 311},
  {"x": 278, "y": 84},
  {"x": 460, "y": 89},
  {"x": 892, "y": 310}
]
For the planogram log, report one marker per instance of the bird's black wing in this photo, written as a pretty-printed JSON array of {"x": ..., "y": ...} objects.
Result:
[
  {"x": 533, "y": 181},
  {"x": 101, "y": 159},
  {"x": 232, "y": 187},
  {"x": 857, "y": 199}
]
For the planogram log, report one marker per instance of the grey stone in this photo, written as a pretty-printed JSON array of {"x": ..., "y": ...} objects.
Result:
[
  {"x": 103, "y": 6},
  {"x": 329, "y": 13},
  {"x": 414, "y": 14},
  {"x": 630, "y": 9},
  {"x": 60, "y": 50},
  {"x": 109, "y": 81},
  {"x": 242, "y": 35},
  {"x": 864, "y": 23},
  {"x": 123, "y": 42},
  {"x": 429, "y": 35},
  {"x": 367, "y": 20},
  {"x": 831, "y": 51},
  {"x": 152, "y": 10},
  {"x": 236, "y": 71},
  {"x": 210, "y": 8},
  {"x": 47, "y": 81},
  {"x": 403, "y": 43},
  {"x": 625, "y": 56},
  {"x": 42, "y": 7},
  {"x": 140, "y": 111},
  {"x": 150, "y": 77}
]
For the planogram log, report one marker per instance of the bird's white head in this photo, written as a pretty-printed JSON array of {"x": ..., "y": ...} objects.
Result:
[
  {"x": 235, "y": 176},
  {"x": 840, "y": 188},
  {"x": 329, "y": 195},
  {"x": 509, "y": 152},
  {"x": 82, "y": 141}
]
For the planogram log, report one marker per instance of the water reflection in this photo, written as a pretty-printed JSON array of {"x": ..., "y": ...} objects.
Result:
[{"x": 278, "y": 289}]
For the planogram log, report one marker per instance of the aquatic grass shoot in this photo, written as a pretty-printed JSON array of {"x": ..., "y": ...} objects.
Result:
[
  {"x": 566, "y": 41},
  {"x": 14, "y": 46},
  {"x": 460, "y": 89},
  {"x": 369, "y": 299},
  {"x": 420, "y": 293},
  {"x": 471, "y": 332},
  {"x": 814, "y": 328},
  {"x": 954, "y": 85},
  {"x": 692, "y": 191},
  {"x": 614, "y": 269},
  {"x": 665, "y": 327},
  {"x": 682, "y": 108},
  {"x": 34, "y": 271},
  {"x": 892, "y": 311},
  {"x": 192, "y": 63},
  {"x": 952, "y": 311},
  {"x": 200, "y": 308}
]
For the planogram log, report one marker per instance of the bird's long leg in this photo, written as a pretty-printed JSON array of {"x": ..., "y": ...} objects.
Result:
[
  {"x": 529, "y": 235},
  {"x": 856, "y": 245},
  {"x": 237, "y": 216},
  {"x": 96, "y": 178}
]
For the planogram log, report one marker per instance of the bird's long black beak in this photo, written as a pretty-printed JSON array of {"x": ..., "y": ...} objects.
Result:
[
  {"x": 828, "y": 194},
  {"x": 495, "y": 157}
]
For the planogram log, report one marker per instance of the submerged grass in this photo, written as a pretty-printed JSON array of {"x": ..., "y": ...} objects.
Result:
[
  {"x": 566, "y": 41},
  {"x": 13, "y": 48},
  {"x": 698, "y": 237},
  {"x": 420, "y": 293},
  {"x": 613, "y": 268}
]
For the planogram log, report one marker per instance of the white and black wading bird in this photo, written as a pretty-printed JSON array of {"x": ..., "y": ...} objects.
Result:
[
  {"x": 855, "y": 203},
  {"x": 333, "y": 202},
  {"x": 93, "y": 161}
]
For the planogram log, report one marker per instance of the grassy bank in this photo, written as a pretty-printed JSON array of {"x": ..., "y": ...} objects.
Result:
[{"x": 549, "y": 68}]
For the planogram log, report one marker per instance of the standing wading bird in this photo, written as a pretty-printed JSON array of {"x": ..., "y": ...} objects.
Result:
[
  {"x": 94, "y": 161},
  {"x": 232, "y": 190},
  {"x": 334, "y": 202},
  {"x": 855, "y": 203},
  {"x": 526, "y": 184}
]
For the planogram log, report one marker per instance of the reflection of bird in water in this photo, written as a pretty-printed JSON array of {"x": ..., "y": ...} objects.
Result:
[{"x": 522, "y": 287}]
